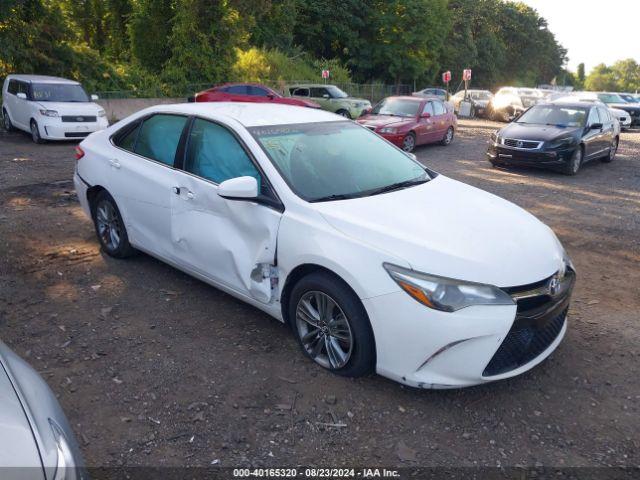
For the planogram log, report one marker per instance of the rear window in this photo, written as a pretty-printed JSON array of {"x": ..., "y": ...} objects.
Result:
[{"x": 159, "y": 137}]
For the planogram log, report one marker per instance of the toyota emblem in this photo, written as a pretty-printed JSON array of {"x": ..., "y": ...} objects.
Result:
[
  {"x": 519, "y": 144},
  {"x": 554, "y": 286}
]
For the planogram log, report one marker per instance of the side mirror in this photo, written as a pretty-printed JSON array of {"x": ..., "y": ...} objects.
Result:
[
  {"x": 21, "y": 95},
  {"x": 238, "y": 188},
  {"x": 95, "y": 97},
  {"x": 595, "y": 126},
  {"x": 425, "y": 115}
]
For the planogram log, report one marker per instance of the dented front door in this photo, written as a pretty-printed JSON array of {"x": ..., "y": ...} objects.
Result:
[{"x": 232, "y": 242}]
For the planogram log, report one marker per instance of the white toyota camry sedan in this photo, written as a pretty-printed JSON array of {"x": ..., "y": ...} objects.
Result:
[{"x": 376, "y": 262}]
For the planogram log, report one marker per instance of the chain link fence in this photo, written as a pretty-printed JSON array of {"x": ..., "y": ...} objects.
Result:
[{"x": 373, "y": 92}]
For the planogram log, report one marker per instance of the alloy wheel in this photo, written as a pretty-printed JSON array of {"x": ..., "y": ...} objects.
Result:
[
  {"x": 109, "y": 227},
  {"x": 613, "y": 150},
  {"x": 35, "y": 135},
  {"x": 7, "y": 121},
  {"x": 324, "y": 330},
  {"x": 408, "y": 143},
  {"x": 449, "y": 136},
  {"x": 576, "y": 160}
]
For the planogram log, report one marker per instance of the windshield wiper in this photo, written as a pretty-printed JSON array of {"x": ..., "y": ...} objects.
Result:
[
  {"x": 398, "y": 186},
  {"x": 335, "y": 196}
]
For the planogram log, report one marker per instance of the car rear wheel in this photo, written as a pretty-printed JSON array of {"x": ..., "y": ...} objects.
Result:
[
  {"x": 35, "y": 133},
  {"x": 572, "y": 166},
  {"x": 409, "y": 142},
  {"x": 612, "y": 152},
  {"x": 344, "y": 113},
  {"x": 448, "y": 137},
  {"x": 331, "y": 325},
  {"x": 6, "y": 121},
  {"x": 110, "y": 227}
]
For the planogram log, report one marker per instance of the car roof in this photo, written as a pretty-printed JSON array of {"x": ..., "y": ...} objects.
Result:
[
  {"x": 572, "y": 104},
  {"x": 306, "y": 85},
  {"x": 253, "y": 84},
  {"x": 415, "y": 99},
  {"x": 42, "y": 79},
  {"x": 251, "y": 114}
]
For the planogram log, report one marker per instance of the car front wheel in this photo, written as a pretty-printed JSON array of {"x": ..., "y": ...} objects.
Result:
[
  {"x": 35, "y": 133},
  {"x": 448, "y": 137},
  {"x": 331, "y": 325},
  {"x": 6, "y": 121},
  {"x": 409, "y": 142},
  {"x": 572, "y": 166}
]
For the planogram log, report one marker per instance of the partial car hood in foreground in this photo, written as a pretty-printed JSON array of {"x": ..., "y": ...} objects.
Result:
[
  {"x": 523, "y": 131},
  {"x": 447, "y": 228},
  {"x": 17, "y": 446}
]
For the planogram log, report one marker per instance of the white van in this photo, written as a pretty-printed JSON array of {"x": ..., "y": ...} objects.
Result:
[{"x": 50, "y": 108}]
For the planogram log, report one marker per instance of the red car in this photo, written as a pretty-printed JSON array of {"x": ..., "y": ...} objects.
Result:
[
  {"x": 410, "y": 121},
  {"x": 249, "y": 92}
]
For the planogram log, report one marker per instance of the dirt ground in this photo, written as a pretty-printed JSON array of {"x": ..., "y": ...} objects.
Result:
[{"x": 155, "y": 368}]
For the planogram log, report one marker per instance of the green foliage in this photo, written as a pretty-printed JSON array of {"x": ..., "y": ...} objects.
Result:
[
  {"x": 149, "y": 28},
  {"x": 622, "y": 76}
]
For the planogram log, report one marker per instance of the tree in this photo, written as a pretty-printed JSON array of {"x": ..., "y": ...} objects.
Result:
[
  {"x": 149, "y": 28},
  {"x": 601, "y": 78}
]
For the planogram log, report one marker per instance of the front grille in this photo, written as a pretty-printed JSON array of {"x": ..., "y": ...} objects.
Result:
[
  {"x": 540, "y": 316},
  {"x": 524, "y": 343},
  {"x": 76, "y": 134},
  {"x": 525, "y": 144},
  {"x": 79, "y": 118}
]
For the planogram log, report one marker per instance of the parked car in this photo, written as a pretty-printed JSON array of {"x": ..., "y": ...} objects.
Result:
[
  {"x": 50, "y": 108},
  {"x": 410, "y": 121},
  {"x": 622, "y": 116},
  {"x": 509, "y": 102},
  {"x": 479, "y": 99},
  {"x": 330, "y": 98},
  {"x": 36, "y": 440},
  {"x": 249, "y": 92},
  {"x": 297, "y": 212},
  {"x": 557, "y": 135},
  {"x": 432, "y": 92},
  {"x": 614, "y": 100}
]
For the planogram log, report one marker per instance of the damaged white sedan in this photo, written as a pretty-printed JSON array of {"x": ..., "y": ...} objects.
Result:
[{"x": 376, "y": 262}]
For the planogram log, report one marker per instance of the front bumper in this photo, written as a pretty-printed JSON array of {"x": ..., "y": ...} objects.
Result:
[
  {"x": 53, "y": 128},
  {"x": 426, "y": 348},
  {"x": 395, "y": 138},
  {"x": 502, "y": 155}
]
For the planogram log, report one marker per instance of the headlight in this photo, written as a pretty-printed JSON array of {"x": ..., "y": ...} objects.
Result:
[
  {"x": 563, "y": 142},
  {"x": 388, "y": 130},
  {"x": 102, "y": 113},
  {"x": 49, "y": 113},
  {"x": 66, "y": 468},
  {"x": 446, "y": 294},
  {"x": 495, "y": 137}
]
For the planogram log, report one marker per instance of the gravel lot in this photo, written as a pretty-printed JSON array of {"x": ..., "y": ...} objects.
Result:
[{"x": 155, "y": 368}]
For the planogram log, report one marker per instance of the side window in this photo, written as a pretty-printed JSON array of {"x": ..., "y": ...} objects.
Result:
[
  {"x": 127, "y": 140},
  {"x": 159, "y": 136},
  {"x": 238, "y": 89},
  {"x": 257, "y": 91},
  {"x": 301, "y": 92},
  {"x": 604, "y": 115},
  {"x": 593, "y": 117},
  {"x": 13, "y": 87},
  {"x": 428, "y": 108},
  {"x": 318, "y": 92},
  {"x": 214, "y": 153},
  {"x": 439, "y": 108}
]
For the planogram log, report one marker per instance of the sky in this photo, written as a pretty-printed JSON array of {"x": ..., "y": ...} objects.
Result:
[{"x": 593, "y": 31}]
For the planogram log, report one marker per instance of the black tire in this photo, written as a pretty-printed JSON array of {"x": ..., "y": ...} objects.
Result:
[
  {"x": 344, "y": 113},
  {"x": 6, "y": 121},
  {"x": 362, "y": 353},
  {"x": 409, "y": 142},
  {"x": 572, "y": 166},
  {"x": 448, "y": 137},
  {"x": 35, "y": 132},
  {"x": 612, "y": 152},
  {"x": 104, "y": 210}
]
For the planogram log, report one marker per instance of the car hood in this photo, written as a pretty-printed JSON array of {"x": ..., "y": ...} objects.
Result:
[
  {"x": 522, "y": 131},
  {"x": 447, "y": 228},
  {"x": 384, "y": 121},
  {"x": 17, "y": 445},
  {"x": 629, "y": 107},
  {"x": 72, "y": 108}
]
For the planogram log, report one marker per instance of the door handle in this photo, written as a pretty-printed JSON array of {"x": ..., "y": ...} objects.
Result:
[
  {"x": 190, "y": 195},
  {"x": 114, "y": 163}
]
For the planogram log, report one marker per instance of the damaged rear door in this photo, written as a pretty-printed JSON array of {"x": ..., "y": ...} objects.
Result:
[{"x": 232, "y": 242}]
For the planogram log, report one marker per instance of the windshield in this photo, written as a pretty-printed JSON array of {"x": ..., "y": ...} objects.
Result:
[
  {"x": 336, "y": 160},
  {"x": 610, "y": 98},
  {"x": 335, "y": 92},
  {"x": 58, "y": 92},
  {"x": 554, "y": 115},
  {"x": 399, "y": 107}
]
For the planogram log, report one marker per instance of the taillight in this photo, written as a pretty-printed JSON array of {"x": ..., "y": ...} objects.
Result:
[{"x": 79, "y": 152}]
